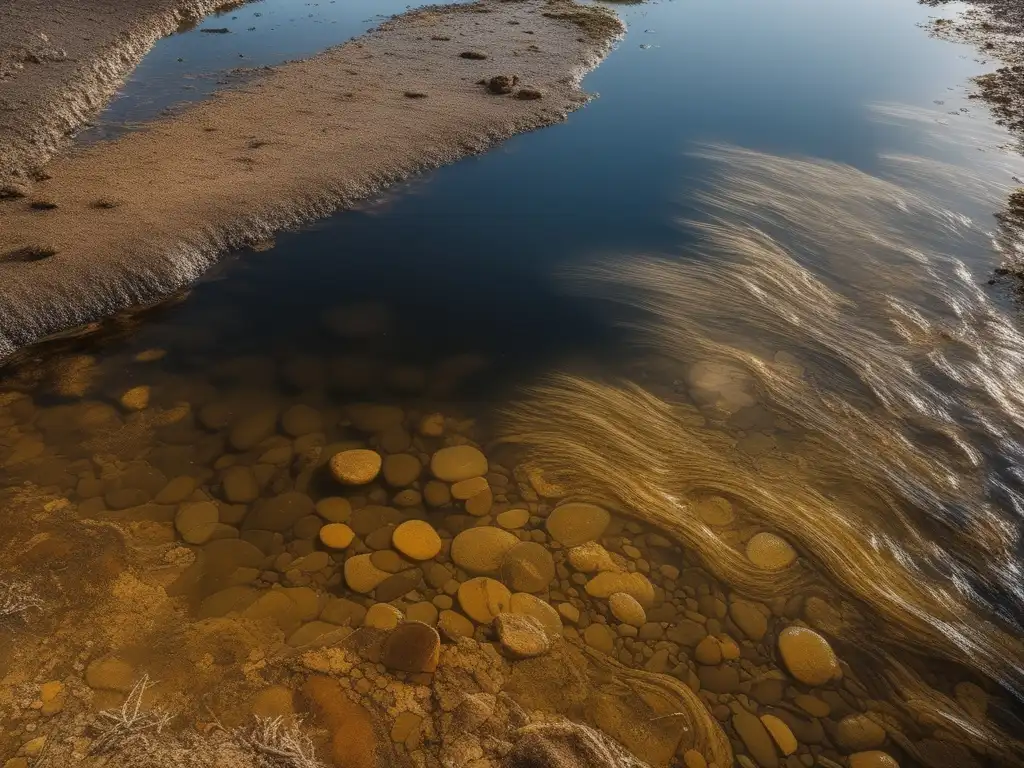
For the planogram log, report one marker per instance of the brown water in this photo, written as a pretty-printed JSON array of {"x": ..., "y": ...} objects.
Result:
[{"x": 792, "y": 442}]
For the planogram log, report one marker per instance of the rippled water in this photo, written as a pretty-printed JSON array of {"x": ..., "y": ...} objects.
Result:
[{"x": 741, "y": 301}]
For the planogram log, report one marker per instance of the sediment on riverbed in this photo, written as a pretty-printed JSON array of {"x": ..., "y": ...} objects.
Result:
[
  {"x": 60, "y": 63},
  {"x": 133, "y": 220}
]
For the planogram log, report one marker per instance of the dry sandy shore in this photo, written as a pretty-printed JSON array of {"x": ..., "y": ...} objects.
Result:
[
  {"x": 132, "y": 220},
  {"x": 61, "y": 61}
]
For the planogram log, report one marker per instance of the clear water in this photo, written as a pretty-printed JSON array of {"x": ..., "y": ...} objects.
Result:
[{"x": 538, "y": 257}]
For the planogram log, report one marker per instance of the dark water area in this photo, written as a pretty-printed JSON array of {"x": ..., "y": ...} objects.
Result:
[
  {"x": 825, "y": 365},
  {"x": 477, "y": 247}
]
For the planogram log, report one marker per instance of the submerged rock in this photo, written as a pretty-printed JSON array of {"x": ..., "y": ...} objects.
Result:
[
  {"x": 636, "y": 585},
  {"x": 591, "y": 557},
  {"x": 483, "y": 599},
  {"x": 859, "y": 733},
  {"x": 873, "y": 759},
  {"x": 577, "y": 523},
  {"x": 770, "y": 552},
  {"x": 482, "y": 550},
  {"x": 756, "y": 739},
  {"x": 356, "y": 467},
  {"x": 530, "y": 605},
  {"x": 417, "y": 540},
  {"x": 412, "y": 647},
  {"x": 808, "y": 656},
  {"x": 528, "y": 567},
  {"x": 457, "y": 463},
  {"x": 626, "y": 609},
  {"x": 521, "y": 636}
]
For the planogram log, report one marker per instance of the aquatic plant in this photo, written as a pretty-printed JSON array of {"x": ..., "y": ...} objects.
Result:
[
  {"x": 129, "y": 722},
  {"x": 279, "y": 743},
  {"x": 17, "y": 598}
]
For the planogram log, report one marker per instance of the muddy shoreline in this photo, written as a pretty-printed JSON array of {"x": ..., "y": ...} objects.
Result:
[
  {"x": 60, "y": 64},
  {"x": 995, "y": 28},
  {"x": 130, "y": 221}
]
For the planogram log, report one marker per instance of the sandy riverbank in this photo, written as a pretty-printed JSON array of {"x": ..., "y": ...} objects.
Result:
[
  {"x": 60, "y": 63},
  {"x": 132, "y": 220}
]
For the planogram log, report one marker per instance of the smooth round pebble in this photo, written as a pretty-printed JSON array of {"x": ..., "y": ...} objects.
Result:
[
  {"x": 480, "y": 504},
  {"x": 808, "y": 656},
  {"x": 240, "y": 485},
  {"x": 873, "y": 759},
  {"x": 626, "y": 609},
  {"x": 436, "y": 493},
  {"x": 482, "y": 550},
  {"x": 382, "y": 616},
  {"x": 569, "y": 612},
  {"x": 577, "y": 523},
  {"x": 606, "y": 584},
  {"x": 136, "y": 399},
  {"x": 780, "y": 733},
  {"x": 592, "y": 557},
  {"x": 336, "y": 535},
  {"x": 715, "y": 510},
  {"x": 363, "y": 576},
  {"x": 454, "y": 624},
  {"x": 483, "y": 599},
  {"x": 356, "y": 467},
  {"x": 467, "y": 489},
  {"x": 401, "y": 469},
  {"x": 708, "y": 652},
  {"x": 770, "y": 552},
  {"x": 513, "y": 519},
  {"x": 416, "y": 539},
  {"x": 528, "y": 567},
  {"x": 859, "y": 733},
  {"x": 334, "y": 509},
  {"x": 196, "y": 521},
  {"x": 457, "y": 463}
]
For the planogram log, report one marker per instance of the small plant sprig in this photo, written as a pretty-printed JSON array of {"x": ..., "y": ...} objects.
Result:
[
  {"x": 280, "y": 743},
  {"x": 17, "y": 598},
  {"x": 129, "y": 721}
]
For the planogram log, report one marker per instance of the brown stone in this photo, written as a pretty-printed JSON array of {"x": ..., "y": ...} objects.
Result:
[{"x": 412, "y": 647}]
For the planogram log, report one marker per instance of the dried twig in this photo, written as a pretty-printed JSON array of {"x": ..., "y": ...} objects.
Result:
[
  {"x": 130, "y": 721},
  {"x": 280, "y": 743},
  {"x": 16, "y": 598}
]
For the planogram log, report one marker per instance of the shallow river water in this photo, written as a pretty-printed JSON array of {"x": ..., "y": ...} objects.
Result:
[{"x": 723, "y": 345}]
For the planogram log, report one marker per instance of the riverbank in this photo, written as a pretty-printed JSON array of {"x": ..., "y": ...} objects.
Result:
[
  {"x": 995, "y": 28},
  {"x": 60, "y": 64},
  {"x": 130, "y": 221}
]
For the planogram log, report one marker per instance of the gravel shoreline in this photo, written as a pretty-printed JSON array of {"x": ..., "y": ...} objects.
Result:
[{"x": 130, "y": 221}]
